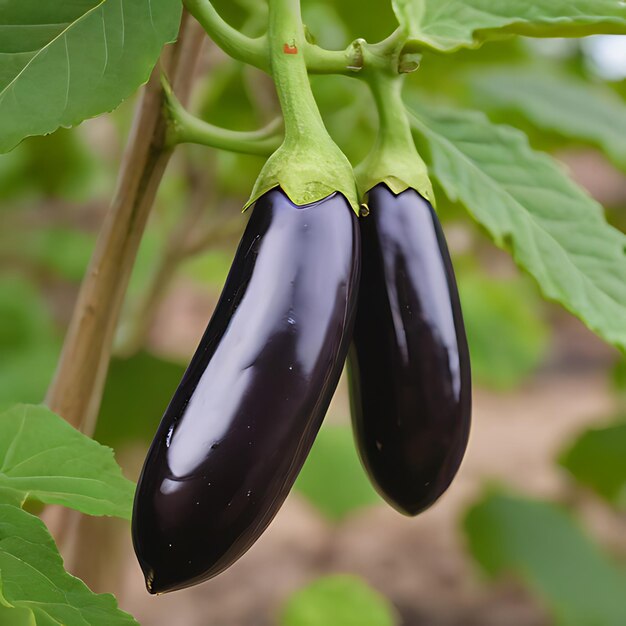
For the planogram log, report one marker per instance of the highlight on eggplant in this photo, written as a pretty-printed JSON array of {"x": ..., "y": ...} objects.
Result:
[
  {"x": 409, "y": 367},
  {"x": 247, "y": 410}
]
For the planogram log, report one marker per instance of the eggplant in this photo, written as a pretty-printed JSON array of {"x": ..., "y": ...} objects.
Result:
[
  {"x": 409, "y": 368},
  {"x": 251, "y": 402}
]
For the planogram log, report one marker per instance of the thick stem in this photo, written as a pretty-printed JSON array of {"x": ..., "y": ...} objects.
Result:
[
  {"x": 234, "y": 43},
  {"x": 288, "y": 66},
  {"x": 76, "y": 390},
  {"x": 393, "y": 159},
  {"x": 308, "y": 166},
  {"x": 394, "y": 131}
]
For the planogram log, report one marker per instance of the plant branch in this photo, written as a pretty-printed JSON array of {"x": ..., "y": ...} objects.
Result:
[
  {"x": 76, "y": 390},
  {"x": 255, "y": 51},
  {"x": 183, "y": 127},
  {"x": 359, "y": 55},
  {"x": 252, "y": 51}
]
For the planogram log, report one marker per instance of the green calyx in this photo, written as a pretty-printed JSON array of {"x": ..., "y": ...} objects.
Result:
[
  {"x": 307, "y": 172},
  {"x": 394, "y": 159},
  {"x": 308, "y": 166}
]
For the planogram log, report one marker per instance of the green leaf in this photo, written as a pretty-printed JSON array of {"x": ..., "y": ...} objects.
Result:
[
  {"x": 332, "y": 477},
  {"x": 338, "y": 600},
  {"x": 44, "y": 458},
  {"x": 506, "y": 309},
  {"x": 572, "y": 107},
  {"x": 596, "y": 460},
  {"x": 553, "y": 229},
  {"x": 35, "y": 590},
  {"x": 545, "y": 548},
  {"x": 62, "y": 62},
  {"x": 448, "y": 25}
]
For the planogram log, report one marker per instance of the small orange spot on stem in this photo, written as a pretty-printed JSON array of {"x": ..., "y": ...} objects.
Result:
[{"x": 290, "y": 49}]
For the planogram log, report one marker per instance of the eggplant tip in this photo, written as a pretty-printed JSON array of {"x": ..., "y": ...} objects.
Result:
[
  {"x": 158, "y": 586},
  {"x": 153, "y": 587}
]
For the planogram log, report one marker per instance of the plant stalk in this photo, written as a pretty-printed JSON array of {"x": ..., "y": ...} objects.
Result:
[
  {"x": 252, "y": 51},
  {"x": 308, "y": 166},
  {"x": 183, "y": 127},
  {"x": 76, "y": 390},
  {"x": 289, "y": 71},
  {"x": 394, "y": 159}
]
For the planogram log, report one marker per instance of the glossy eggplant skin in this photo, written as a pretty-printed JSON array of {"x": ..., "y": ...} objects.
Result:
[
  {"x": 409, "y": 367},
  {"x": 249, "y": 406}
]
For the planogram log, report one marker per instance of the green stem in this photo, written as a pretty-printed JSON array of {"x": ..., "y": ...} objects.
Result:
[
  {"x": 394, "y": 132},
  {"x": 318, "y": 60},
  {"x": 183, "y": 127},
  {"x": 260, "y": 142},
  {"x": 288, "y": 67},
  {"x": 237, "y": 45},
  {"x": 393, "y": 159},
  {"x": 357, "y": 56},
  {"x": 308, "y": 166}
]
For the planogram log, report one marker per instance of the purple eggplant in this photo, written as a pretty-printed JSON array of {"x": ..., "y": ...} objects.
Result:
[
  {"x": 409, "y": 367},
  {"x": 250, "y": 404}
]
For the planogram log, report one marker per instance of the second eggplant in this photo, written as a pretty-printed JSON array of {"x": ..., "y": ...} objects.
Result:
[{"x": 409, "y": 367}]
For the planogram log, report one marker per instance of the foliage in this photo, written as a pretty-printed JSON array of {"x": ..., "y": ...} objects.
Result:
[
  {"x": 546, "y": 549},
  {"x": 528, "y": 205},
  {"x": 44, "y": 458},
  {"x": 544, "y": 97},
  {"x": 460, "y": 23},
  {"x": 85, "y": 56},
  {"x": 596, "y": 459},
  {"x": 51, "y": 595},
  {"x": 344, "y": 600}
]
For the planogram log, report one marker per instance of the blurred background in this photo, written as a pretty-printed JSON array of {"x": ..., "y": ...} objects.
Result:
[{"x": 532, "y": 531}]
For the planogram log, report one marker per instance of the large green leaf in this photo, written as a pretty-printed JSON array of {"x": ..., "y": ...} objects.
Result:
[
  {"x": 528, "y": 205},
  {"x": 597, "y": 459},
  {"x": 448, "y": 25},
  {"x": 332, "y": 477},
  {"x": 545, "y": 548},
  {"x": 35, "y": 590},
  {"x": 338, "y": 601},
  {"x": 569, "y": 106},
  {"x": 62, "y": 62},
  {"x": 44, "y": 458}
]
